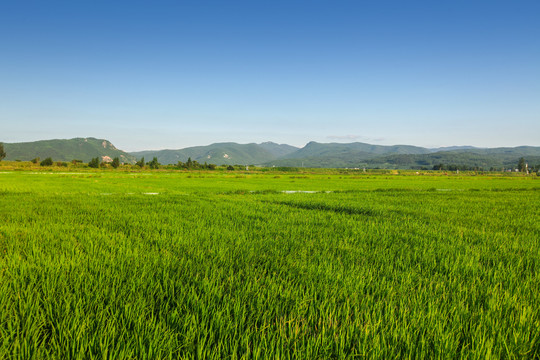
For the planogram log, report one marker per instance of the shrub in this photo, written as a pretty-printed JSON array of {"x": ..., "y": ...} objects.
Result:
[
  {"x": 94, "y": 163},
  {"x": 115, "y": 163},
  {"x": 46, "y": 162},
  {"x": 154, "y": 164}
]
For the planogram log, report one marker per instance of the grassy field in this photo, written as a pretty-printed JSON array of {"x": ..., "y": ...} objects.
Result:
[{"x": 159, "y": 265}]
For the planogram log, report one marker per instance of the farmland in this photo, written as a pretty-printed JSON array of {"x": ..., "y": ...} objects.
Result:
[{"x": 157, "y": 265}]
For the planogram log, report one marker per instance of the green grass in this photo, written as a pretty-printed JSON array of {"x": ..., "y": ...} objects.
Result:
[{"x": 221, "y": 265}]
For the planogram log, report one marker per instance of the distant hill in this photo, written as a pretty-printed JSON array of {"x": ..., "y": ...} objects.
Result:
[
  {"x": 339, "y": 155},
  {"x": 356, "y": 149},
  {"x": 468, "y": 159},
  {"x": 314, "y": 154},
  {"x": 278, "y": 150},
  {"x": 355, "y": 154},
  {"x": 221, "y": 153},
  {"x": 405, "y": 157},
  {"x": 509, "y": 151},
  {"x": 65, "y": 150}
]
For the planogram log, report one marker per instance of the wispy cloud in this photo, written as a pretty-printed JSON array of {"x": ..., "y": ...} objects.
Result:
[
  {"x": 351, "y": 137},
  {"x": 343, "y": 137}
]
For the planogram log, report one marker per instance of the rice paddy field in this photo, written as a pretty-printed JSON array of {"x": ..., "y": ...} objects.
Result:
[{"x": 195, "y": 265}]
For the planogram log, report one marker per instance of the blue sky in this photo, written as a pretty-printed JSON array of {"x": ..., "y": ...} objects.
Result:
[{"x": 172, "y": 74}]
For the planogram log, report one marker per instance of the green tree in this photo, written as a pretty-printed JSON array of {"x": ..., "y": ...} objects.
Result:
[
  {"x": 439, "y": 167},
  {"x": 140, "y": 163},
  {"x": 46, "y": 162},
  {"x": 35, "y": 160},
  {"x": 2, "y": 152},
  {"x": 521, "y": 165},
  {"x": 154, "y": 164},
  {"x": 115, "y": 163},
  {"x": 94, "y": 163},
  {"x": 189, "y": 163}
]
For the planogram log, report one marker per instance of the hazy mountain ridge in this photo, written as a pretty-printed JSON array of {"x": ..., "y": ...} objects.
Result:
[{"x": 453, "y": 148}]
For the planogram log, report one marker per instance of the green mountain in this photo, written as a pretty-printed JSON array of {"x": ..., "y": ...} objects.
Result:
[
  {"x": 455, "y": 160},
  {"x": 220, "y": 153},
  {"x": 278, "y": 150},
  {"x": 357, "y": 150},
  {"x": 508, "y": 151},
  {"x": 66, "y": 150},
  {"x": 331, "y": 155},
  {"x": 357, "y": 155}
]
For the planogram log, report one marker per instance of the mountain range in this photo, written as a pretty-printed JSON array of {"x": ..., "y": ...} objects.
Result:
[
  {"x": 228, "y": 153},
  {"x": 313, "y": 154}
]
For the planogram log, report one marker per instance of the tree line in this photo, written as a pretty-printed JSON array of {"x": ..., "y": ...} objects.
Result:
[{"x": 521, "y": 166}]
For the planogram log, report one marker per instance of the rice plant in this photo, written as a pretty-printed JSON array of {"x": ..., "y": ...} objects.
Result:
[{"x": 112, "y": 265}]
